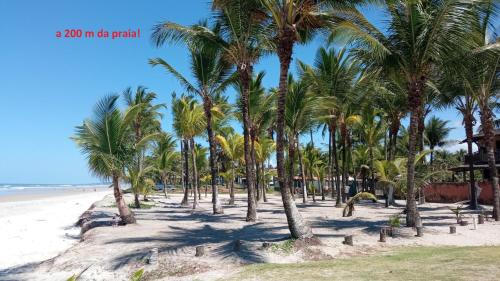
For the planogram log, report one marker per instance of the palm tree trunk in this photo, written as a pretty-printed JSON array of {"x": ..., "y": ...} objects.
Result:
[
  {"x": 245, "y": 73},
  {"x": 207, "y": 106},
  {"x": 194, "y": 182},
  {"x": 254, "y": 162},
  {"x": 231, "y": 190},
  {"x": 414, "y": 101},
  {"x": 469, "y": 133},
  {"x": 330, "y": 162},
  {"x": 137, "y": 203},
  {"x": 313, "y": 185},
  {"x": 291, "y": 163},
  {"x": 184, "y": 149},
  {"x": 393, "y": 136},
  {"x": 302, "y": 174},
  {"x": 338, "y": 202},
  {"x": 265, "y": 185},
  {"x": 165, "y": 187},
  {"x": 322, "y": 189},
  {"x": 489, "y": 140},
  {"x": 343, "y": 135},
  {"x": 126, "y": 215},
  {"x": 298, "y": 227}
]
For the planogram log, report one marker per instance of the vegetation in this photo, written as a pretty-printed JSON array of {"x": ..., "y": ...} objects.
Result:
[
  {"x": 337, "y": 126},
  {"x": 438, "y": 263}
]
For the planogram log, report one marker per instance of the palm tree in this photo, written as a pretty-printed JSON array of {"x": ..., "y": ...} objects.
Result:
[
  {"x": 212, "y": 76},
  {"x": 232, "y": 147},
  {"x": 264, "y": 148},
  {"x": 147, "y": 121},
  {"x": 166, "y": 156},
  {"x": 372, "y": 131},
  {"x": 436, "y": 134},
  {"x": 478, "y": 73},
  {"x": 261, "y": 113},
  {"x": 189, "y": 121},
  {"x": 107, "y": 142},
  {"x": 420, "y": 36},
  {"x": 299, "y": 114},
  {"x": 334, "y": 78}
]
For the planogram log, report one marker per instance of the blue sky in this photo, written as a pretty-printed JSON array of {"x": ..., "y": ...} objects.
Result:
[{"x": 49, "y": 85}]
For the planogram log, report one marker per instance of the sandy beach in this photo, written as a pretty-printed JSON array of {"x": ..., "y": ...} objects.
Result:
[
  {"x": 39, "y": 224},
  {"x": 114, "y": 253}
]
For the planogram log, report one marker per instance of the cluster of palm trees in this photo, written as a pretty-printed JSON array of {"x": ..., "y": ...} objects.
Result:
[{"x": 434, "y": 54}]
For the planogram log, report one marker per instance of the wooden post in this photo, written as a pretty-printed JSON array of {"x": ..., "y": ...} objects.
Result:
[
  {"x": 382, "y": 234},
  {"x": 453, "y": 229},
  {"x": 237, "y": 245},
  {"x": 480, "y": 219},
  {"x": 348, "y": 240},
  {"x": 153, "y": 256},
  {"x": 420, "y": 231},
  {"x": 200, "y": 251}
]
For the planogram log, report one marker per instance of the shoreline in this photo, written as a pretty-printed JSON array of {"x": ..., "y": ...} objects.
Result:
[
  {"x": 40, "y": 224},
  {"x": 29, "y": 194}
]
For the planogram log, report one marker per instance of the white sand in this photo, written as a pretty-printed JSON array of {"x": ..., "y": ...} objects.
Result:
[
  {"x": 40, "y": 229},
  {"x": 114, "y": 253}
]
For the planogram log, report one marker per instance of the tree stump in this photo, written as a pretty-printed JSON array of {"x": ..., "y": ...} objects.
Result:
[
  {"x": 420, "y": 231},
  {"x": 200, "y": 251},
  {"x": 383, "y": 233},
  {"x": 480, "y": 219},
  {"x": 348, "y": 240},
  {"x": 464, "y": 223},
  {"x": 453, "y": 229},
  {"x": 237, "y": 245},
  {"x": 266, "y": 245}
]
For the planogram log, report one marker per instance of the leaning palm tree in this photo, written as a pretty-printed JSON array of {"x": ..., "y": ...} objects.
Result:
[
  {"x": 212, "y": 76},
  {"x": 264, "y": 148},
  {"x": 436, "y": 134},
  {"x": 146, "y": 122},
  {"x": 420, "y": 36},
  {"x": 107, "y": 141}
]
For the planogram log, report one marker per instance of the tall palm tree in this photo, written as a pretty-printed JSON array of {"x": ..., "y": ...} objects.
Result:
[
  {"x": 147, "y": 121},
  {"x": 264, "y": 148},
  {"x": 478, "y": 73},
  {"x": 372, "y": 131},
  {"x": 212, "y": 76},
  {"x": 243, "y": 40},
  {"x": 420, "y": 36},
  {"x": 189, "y": 122},
  {"x": 107, "y": 141},
  {"x": 166, "y": 157},
  {"x": 436, "y": 134},
  {"x": 299, "y": 112},
  {"x": 261, "y": 113},
  {"x": 232, "y": 147}
]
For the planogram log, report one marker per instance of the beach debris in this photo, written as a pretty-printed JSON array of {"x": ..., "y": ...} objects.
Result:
[{"x": 480, "y": 219}]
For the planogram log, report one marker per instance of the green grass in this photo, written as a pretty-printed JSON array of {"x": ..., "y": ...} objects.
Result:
[
  {"x": 415, "y": 263},
  {"x": 286, "y": 247},
  {"x": 132, "y": 205}
]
